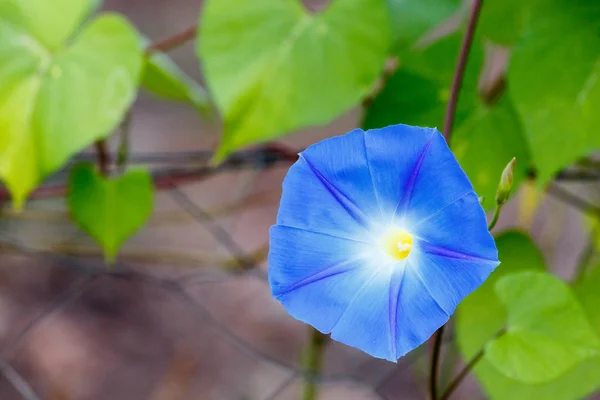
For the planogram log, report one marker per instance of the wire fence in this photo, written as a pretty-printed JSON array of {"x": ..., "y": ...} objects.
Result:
[{"x": 180, "y": 277}]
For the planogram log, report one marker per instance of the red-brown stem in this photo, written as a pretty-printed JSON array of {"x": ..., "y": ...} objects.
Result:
[
  {"x": 460, "y": 69},
  {"x": 172, "y": 41}
]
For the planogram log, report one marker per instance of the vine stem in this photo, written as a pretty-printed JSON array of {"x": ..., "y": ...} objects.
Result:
[
  {"x": 494, "y": 220},
  {"x": 460, "y": 69},
  {"x": 173, "y": 41},
  {"x": 462, "y": 375},
  {"x": 103, "y": 156},
  {"x": 435, "y": 361},
  {"x": 123, "y": 151},
  {"x": 312, "y": 361},
  {"x": 459, "y": 72},
  {"x": 468, "y": 368}
]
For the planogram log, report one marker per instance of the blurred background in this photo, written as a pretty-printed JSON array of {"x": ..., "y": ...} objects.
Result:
[{"x": 177, "y": 318}]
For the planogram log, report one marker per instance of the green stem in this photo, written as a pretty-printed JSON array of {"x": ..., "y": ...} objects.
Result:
[
  {"x": 495, "y": 217},
  {"x": 312, "y": 362}
]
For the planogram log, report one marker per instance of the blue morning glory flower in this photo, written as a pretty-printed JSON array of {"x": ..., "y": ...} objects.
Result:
[{"x": 379, "y": 236}]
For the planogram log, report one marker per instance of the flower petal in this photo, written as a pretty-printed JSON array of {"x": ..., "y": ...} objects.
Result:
[
  {"x": 393, "y": 314},
  {"x": 308, "y": 204},
  {"x": 449, "y": 276},
  {"x": 395, "y": 154},
  {"x": 458, "y": 228},
  {"x": 329, "y": 189},
  {"x": 418, "y": 314},
  {"x": 440, "y": 182},
  {"x": 319, "y": 280},
  {"x": 366, "y": 322},
  {"x": 326, "y": 266}
]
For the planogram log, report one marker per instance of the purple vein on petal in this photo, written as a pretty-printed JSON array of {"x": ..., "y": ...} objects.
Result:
[
  {"x": 341, "y": 198},
  {"x": 407, "y": 192},
  {"x": 332, "y": 270},
  {"x": 395, "y": 287},
  {"x": 430, "y": 248}
]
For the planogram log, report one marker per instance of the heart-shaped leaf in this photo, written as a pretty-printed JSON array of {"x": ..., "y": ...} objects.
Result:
[
  {"x": 59, "y": 91},
  {"x": 482, "y": 315},
  {"x": 109, "y": 209},
  {"x": 547, "y": 331},
  {"x": 553, "y": 80},
  {"x": 273, "y": 67}
]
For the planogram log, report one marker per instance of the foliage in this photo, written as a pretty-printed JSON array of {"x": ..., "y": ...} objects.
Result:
[
  {"x": 60, "y": 88},
  {"x": 69, "y": 77},
  {"x": 260, "y": 59},
  {"x": 547, "y": 332},
  {"x": 109, "y": 209}
]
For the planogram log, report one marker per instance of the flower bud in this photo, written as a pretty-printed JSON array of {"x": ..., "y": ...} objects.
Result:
[{"x": 506, "y": 182}]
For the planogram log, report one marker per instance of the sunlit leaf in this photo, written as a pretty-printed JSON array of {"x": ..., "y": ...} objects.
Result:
[
  {"x": 50, "y": 23},
  {"x": 554, "y": 82},
  {"x": 481, "y": 315},
  {"x": 163, "y": 78},
  {"x": 54, "y": 103},
  {"x": 109, "y": 209},
  {"x": 547, "y": 330},
  {"x": 272, "y": 67}
]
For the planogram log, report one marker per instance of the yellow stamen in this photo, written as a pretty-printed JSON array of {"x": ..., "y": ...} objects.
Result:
[{"x": 397, "y": 243}]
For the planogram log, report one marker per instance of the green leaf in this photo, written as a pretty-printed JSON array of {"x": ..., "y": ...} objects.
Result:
[
  {"x": 588, "y": 294},
  {"x": 547, "y": 330},
  {"x": 503, "y": 21},
  {"x": 109, "y": 209},
  {"x": 486, "y": 141},
  {"x": 558, "y": 100},
  {"x": 273, "y": 68},
  {"x": 163, "y": 78},
  {"x": 418, "y": 92},
  {"x": 50, "y": 23},
  {"x": 485, "y": 137},
  {"x": 481, "y": 315},
  {"x": 410, "y": 19},
  {"x": 55, "y": 103}
]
